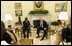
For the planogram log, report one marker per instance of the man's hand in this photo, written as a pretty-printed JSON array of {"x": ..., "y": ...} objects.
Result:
[
  {"x": 31, "y": 25},
  {"x": 44, "y": 28}
]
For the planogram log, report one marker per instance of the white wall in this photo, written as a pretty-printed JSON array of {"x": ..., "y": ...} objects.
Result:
[{"x": 7, "y": 7}]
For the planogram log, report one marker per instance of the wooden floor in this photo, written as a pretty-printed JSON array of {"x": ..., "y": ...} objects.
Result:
[{"x": 36, "y": 41}]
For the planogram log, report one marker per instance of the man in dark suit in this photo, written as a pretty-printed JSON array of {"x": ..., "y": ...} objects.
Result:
[
  {"x": 42, "y": 26},
  {"x": 26, "y": 27}
]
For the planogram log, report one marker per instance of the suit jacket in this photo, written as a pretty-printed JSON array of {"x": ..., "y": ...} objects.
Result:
[
  {"x": 26, "y": 24},
  {"x": 45, "y": 25}
]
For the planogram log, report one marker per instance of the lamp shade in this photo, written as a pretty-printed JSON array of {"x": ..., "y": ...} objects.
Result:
[
  {"x": 8, "y": 17},
  {"x": 63, "y": 16}
]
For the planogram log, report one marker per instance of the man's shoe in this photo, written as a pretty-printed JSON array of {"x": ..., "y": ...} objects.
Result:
[
  {"x": 37, "y": 37},
  {"x": 41, "y": 39},
  {"x": 27, "y": 37}
]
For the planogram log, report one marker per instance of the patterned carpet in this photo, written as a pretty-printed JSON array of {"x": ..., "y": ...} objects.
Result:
[{"x": 36, "y": 41}]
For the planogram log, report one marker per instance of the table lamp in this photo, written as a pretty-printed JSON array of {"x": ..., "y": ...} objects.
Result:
[
  {"x": 63, "y": 16},
  {"x": 8, "y": 19}
]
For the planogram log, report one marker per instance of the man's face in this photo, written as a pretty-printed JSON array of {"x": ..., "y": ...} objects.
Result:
[
  {"x": 26, "y": 18},
  {"x": 41, "y": 19}
]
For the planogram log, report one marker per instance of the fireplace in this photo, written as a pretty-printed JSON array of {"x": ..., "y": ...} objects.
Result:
[{"x": 36, "y": 23}]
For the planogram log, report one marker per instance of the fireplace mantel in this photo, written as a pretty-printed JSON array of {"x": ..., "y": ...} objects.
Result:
[{"x": 38, "y": 16}]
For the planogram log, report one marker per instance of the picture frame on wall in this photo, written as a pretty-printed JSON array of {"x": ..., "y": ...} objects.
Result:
[
  {"x": 59, "y": 7},
  {"x": 38, "y": 5},
  {"x": 18, "y": 5},
  {"x": 18, "y": 12}
]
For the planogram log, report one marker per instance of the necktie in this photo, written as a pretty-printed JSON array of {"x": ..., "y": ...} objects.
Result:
[{"x": 41, "y": 24}]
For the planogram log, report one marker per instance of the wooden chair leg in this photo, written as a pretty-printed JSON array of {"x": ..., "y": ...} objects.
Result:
[
  {"x": 32, "y": 41},
  {"x": 30, "y": 34},
  {"x": 18, "y": 33},
  {"x": 21, "y": 34},
  {"x": 46, "y": 35},
  {"x": 62, "y": 43},
  {"x": 67, "y": 43}
]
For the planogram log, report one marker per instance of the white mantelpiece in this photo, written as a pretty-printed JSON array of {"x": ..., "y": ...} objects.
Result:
[{"x": 38, "y": 16}]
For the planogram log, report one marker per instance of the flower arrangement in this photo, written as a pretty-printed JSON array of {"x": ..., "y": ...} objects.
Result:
[{"x": 39, "y": 12}]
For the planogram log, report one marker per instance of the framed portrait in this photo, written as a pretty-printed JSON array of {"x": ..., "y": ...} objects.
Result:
[
  {"x": 59, "y": 7},
  {"x": 18, "y": 5},
  {"x": 18, "y": 12},
  {"x": 38, "y": 5}
]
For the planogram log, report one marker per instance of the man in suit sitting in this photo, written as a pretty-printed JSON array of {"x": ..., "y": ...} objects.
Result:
[
  {"x": 26, "y": 27},
  {"x": 42, "y": 26}
]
